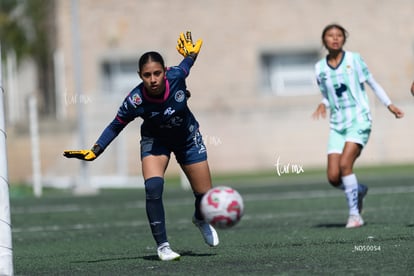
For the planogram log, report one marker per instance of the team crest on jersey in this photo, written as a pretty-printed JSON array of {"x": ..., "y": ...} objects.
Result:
[
  {"x": 135, "y": 99},
  {"x": 180, "y": 96},
  {"x": 349, "y": 69}
]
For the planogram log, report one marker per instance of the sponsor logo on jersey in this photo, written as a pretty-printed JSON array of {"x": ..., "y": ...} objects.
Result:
[
  {"x": 179, "y": 96},
  {"x": 340, "y": 89},
  {"x": 153, "y": 114},
  {"x": 135, "y": 99},
  {"x": 323, "y": 76},
  {"x": 169, "y": 111},
  {"x": 175, "y": 121},
  {"x": 364, "y": 131}
]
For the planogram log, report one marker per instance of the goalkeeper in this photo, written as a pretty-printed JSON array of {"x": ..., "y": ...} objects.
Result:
[{"x": 168, "y": 126}]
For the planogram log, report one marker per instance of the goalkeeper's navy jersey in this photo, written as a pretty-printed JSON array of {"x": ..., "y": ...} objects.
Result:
[{"x": 166, "y": 118}]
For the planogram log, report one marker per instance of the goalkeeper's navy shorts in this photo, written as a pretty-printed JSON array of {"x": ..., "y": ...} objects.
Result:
[{"x": 190, "y": 152}]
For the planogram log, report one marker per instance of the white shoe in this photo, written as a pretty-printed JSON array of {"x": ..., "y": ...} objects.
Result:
[
  {"x": 166, "y": 254},
  {"x": 209, "y": 233},
  {"x": 354, "y": 221}
]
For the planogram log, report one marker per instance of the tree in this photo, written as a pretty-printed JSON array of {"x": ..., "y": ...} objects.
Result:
[{"x": 27, "y": 28}]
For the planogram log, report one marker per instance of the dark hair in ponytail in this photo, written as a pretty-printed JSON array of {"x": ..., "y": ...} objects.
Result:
[{"x": 150, "y": 56}]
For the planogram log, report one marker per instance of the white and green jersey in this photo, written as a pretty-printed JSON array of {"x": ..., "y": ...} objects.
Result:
[{"x": 344, "y": 92}]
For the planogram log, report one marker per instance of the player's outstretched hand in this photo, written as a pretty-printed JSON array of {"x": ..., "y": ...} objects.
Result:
[
  {"x": 320, "y": 112},
  {"x": 398, "y": 113},
  {"x": 186, "y": 47},
  {"x": 87, "y": 155}
]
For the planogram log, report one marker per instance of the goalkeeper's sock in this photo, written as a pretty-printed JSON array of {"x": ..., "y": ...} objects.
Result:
[
  {"x": 155, "y": 209},
  {"x": 351, "y": 192},
  {"x": 197, "y": 205}
]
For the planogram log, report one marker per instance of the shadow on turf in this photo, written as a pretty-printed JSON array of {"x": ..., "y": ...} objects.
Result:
[
  {"x": 330, "y": 225},
  {"x": 107, "y": 260},
  {"x": 183, "y": 254},
  {"x": 148, "y": 258}
]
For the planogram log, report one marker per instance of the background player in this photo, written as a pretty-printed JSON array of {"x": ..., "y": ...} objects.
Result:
[
  {"x": 341, "y": 77},
  {"x": 168, "y": 126}
]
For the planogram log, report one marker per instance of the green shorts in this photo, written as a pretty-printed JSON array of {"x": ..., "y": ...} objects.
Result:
[{"x": 357, "y": 133}]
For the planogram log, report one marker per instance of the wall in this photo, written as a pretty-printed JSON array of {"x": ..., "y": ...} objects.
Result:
[{"x": 244, "y": 129}]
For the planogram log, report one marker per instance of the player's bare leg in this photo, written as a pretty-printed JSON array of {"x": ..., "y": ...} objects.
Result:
[
  {"x": 340, "y": 174},
  {"x": 348, "y": 157},
  {"x": 199, "y": 177},
  {"x": 154, "y": 165},
  {"x": 333, "y": 171}
]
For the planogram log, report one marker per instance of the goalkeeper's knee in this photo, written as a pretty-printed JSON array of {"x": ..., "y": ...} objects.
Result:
[{"x": 154, "y": 187}]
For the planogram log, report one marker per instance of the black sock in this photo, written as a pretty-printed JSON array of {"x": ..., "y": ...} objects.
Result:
[
  {"x": 155, "y": 209},
  {"x": 197, "y": 204}
]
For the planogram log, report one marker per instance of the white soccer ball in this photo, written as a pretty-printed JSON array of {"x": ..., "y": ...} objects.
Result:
[{"x": 222, "y": 207}]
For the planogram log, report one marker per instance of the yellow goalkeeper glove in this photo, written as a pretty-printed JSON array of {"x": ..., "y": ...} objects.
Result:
[
  {"x": 87, "y": 155},
  {"x": 186, "y": 47}
]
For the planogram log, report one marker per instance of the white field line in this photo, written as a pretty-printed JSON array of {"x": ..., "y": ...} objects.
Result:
[
  {"x": 84, "y": 226},
  {"x": 140, "y": 205},
  {"x": 324, "y": 193},
  {"x": 309, "y": 194}
]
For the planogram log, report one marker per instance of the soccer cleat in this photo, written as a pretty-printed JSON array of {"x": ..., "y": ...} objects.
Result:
[
  {"x": 209, "y": 233},
  {"x": 354, "y": 221},
  {"x": 361, "y": 196},
  {"x": 165, "y": 252}
]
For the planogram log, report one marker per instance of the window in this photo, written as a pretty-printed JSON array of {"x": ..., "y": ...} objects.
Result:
[
  {"x": 119, "y": 76},
  {"x": 289, "y": 73}
]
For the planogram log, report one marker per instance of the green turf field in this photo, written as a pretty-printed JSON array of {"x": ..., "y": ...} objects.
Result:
[{"x": 293, "y": 225}]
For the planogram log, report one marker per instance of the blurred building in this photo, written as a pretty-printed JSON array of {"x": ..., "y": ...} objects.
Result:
[{"x": 253, "y": 88}]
